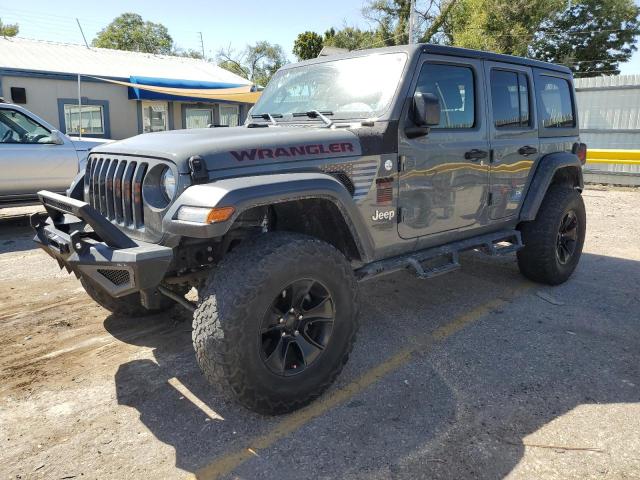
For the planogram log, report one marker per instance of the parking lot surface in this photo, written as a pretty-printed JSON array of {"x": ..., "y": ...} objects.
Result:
[{"x": 475, "y": 374}]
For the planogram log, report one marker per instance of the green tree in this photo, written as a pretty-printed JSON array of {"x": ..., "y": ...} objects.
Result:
[
  {"x": 256, "y": 63},
  {"x": 592, "y": 37},
  {"x": 307, "y": 45},
  {"x": 502, "y": 26},
  {"x": 189, "y": 53},
  {"x": 8, "y": 29},
  {"x": 130, "y": 32},
  {"x": 351, "y": 38},
  {"x": 391, "y": 18}
]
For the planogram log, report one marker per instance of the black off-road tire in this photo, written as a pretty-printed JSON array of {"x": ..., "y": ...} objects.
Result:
[
  {"x": 235, "y": 300},
  {"x": 127, "y": 306},
  {"x": 538, "y": 260}
]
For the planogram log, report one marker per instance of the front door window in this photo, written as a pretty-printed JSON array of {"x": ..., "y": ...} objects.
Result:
[{"x": 16, "y": 127}]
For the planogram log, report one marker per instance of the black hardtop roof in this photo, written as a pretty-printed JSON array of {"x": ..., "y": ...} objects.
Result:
[{"x": 444, "y": 50}]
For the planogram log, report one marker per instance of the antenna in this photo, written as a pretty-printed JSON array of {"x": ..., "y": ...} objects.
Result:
[
  {"x": 83, "y": 37},
  {"x": 202, "y": 46}
]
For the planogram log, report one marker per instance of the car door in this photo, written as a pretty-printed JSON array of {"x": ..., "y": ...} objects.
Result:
[
  {"x": 29, "y": 157},
  {"x": 513, "y": 135},
  {"x": 444, "y": 175}
]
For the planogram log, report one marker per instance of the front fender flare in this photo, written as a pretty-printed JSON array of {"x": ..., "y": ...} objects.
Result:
[
  {"x": 547, "y": 168},
  {"x": 244, "y": 193}
]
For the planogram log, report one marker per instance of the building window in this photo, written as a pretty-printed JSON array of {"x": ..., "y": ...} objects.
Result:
[
  {"x": 91, "y": 116},
  {"x": 229, "y": 115},
  {"x": 454, "y": 86},
  {"x": 155, "y": 116},
  {"x": 198, "y": 117}
]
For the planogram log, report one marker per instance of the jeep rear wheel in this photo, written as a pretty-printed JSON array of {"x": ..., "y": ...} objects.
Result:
[
  {"x": 553, "y": 241},
  {"x": 277, "y": 321}
]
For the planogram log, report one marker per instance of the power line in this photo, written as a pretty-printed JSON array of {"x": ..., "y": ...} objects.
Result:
[{"x": 65, "y": 21}]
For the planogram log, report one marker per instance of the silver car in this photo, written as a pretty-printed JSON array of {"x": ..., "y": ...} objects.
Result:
[{"x": 35, "y": 156}]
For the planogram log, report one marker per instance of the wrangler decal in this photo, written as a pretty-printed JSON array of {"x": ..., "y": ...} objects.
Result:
[{"x": 293, "y": 151}]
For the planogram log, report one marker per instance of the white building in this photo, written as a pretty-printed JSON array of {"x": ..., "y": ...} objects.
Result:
[
  {"x": 43, "y": 77},
  {"x": 609, "y": 110}
]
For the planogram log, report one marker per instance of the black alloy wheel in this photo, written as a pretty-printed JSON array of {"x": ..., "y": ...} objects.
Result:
[
  {"x": 567, "y": 238},
  {"x": 276, "y": 321},
  {"x": 297, "y": 327},
  {"x": 553, "y": 241}
]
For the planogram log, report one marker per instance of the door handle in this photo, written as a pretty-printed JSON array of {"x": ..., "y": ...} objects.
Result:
[
  {"x": 527, "y": 150},
  {"x": 476, "y": 154}
]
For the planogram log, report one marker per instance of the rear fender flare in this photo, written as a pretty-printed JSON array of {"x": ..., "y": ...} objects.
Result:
[
  {"x": 244, "y": 193},
  {"x": 548, "y": 167}
]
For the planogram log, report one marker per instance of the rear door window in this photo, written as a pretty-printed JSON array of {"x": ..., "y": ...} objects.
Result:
[
  {"x": 510, "y": 99},
  {"x": 453, "y": 85},
  {"x": 554, "y": 95}
]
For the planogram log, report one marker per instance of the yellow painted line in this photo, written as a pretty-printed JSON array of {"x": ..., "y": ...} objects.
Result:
[
  {"x": 189, "y": 395},
  {"x": 229, "y": 462}
]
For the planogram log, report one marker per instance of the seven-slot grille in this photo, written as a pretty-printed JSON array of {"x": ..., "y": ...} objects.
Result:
[{"x": 114, "y": 187}]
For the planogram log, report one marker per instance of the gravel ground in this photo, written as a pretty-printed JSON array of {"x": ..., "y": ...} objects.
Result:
[{"x": 476, "y": 374}]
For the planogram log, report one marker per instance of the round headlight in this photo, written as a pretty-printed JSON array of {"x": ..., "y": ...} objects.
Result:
[{"x": 168, "y": 183}]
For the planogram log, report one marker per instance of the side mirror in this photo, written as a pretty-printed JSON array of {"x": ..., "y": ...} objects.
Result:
[
  {"x": 425, "y": 114},
  {"x": 56, "y": 137},
  {"x": 426, "y": 109}
]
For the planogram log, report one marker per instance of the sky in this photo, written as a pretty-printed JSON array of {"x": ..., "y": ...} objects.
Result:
[{"x": 222, "y": 25}]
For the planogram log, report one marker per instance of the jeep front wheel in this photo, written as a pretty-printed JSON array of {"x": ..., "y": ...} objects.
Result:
[
  {"x": 277, "y": 321},
  {"x": 553, "y": 241}
]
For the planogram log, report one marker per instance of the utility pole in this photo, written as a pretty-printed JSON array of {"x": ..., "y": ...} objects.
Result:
[
  {"x": 202, "y": 46},
  {"x": 83, "y": 37},
  {"x": 79, "y": 109},
  {"x": 412, "y": 23}
]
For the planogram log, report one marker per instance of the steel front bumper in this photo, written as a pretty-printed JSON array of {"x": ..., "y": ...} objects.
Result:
[{"x": 86, "y": 243}]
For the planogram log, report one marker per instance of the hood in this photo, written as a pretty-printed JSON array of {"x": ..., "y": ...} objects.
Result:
[
  {"x": 88, "y": 143},
  {"x": 224, "y": 148}
]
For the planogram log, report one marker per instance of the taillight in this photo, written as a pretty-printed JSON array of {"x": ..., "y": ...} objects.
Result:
[{"x": 580, "y": 150}]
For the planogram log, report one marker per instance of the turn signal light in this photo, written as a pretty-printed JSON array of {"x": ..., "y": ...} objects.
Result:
[
  {"x": 204, "y": 215},
  {"x": 220, "y": 214}
]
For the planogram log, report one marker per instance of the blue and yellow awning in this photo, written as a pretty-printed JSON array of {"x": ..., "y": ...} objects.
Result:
[{"x": 146, "y": 88}]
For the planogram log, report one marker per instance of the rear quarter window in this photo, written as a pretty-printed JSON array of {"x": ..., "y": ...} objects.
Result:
[{"x": 554, "y": 95}]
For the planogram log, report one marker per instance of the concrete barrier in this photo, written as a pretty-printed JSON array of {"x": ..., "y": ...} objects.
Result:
[{"x": 609, "y": 166}]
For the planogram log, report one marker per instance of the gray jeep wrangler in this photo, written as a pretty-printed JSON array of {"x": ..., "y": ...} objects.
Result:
[{"x": 347, "y": 168}]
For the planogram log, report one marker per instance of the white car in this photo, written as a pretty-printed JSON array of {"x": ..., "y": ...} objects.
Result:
[{"x": 35, "y": 156}]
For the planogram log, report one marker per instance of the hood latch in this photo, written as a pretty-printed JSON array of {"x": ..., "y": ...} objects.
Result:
[{"x": 198, "y": 170}]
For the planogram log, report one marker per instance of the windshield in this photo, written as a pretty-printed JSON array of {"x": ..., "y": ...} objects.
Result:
[{"x": 360, "y": 87}]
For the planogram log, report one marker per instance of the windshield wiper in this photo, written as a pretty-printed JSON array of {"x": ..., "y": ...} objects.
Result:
[
  {"x": 268, "y": 116},
  {"x": 316, "y": 114}
]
